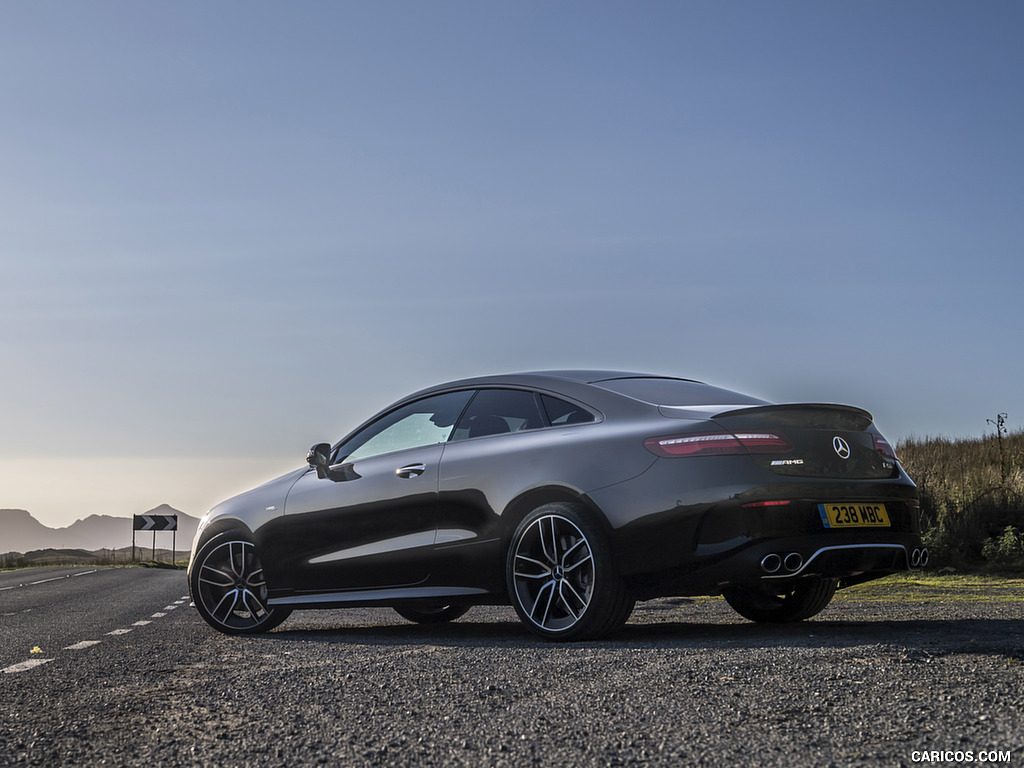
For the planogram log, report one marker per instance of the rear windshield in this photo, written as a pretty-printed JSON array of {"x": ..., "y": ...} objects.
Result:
[{"x": 677, "y": 392}]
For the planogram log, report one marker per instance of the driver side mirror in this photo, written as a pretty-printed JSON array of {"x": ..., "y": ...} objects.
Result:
[{"x": 319, "y": 458}]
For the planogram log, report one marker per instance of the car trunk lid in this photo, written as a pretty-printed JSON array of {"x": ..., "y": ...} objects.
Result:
[{"x": 828, "y": 441}]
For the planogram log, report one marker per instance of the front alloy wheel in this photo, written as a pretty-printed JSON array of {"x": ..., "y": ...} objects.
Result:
[
  {"x": 228, "y": 587},
  {"x": 561, "y": 577}
]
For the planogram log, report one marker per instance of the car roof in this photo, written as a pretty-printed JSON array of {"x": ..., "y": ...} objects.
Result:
[
  {"x": 586, "y": 386},
  {"x": 569, "y": 382},
  {"x": 592, "y": 377},
  {"x": 539, "y": 378}
]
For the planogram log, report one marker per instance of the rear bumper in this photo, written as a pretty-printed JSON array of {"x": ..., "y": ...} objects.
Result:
[
  {"x": 851, "y": 558},
  {"x": 845, "y": 560},
  {"x": 778, "y": 559},
  {"x": 778, "y": 564}
]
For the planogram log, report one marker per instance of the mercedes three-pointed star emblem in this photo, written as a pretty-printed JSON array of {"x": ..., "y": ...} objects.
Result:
[{"x": 841, "y": 446}]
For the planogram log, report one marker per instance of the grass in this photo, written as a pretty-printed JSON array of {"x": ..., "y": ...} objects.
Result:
[
  {"x": 78, "y": 557},
  {"x": 931, "y": 588},
  {"x": 178, "y": 565}
]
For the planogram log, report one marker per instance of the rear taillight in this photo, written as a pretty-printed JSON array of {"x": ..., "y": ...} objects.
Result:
[
  {"x": 883, "y": 448},
  {"x": 717, "y": 444}
]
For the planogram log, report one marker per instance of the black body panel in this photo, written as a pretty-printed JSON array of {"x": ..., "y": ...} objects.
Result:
[{"x": 674, "y": 525}]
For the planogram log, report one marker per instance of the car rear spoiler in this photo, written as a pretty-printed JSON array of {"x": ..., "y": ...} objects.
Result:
[{"x": 811, "y": 415}]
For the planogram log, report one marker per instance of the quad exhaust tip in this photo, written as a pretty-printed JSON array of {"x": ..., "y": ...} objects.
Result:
[
  {"x": 794, "y": 562},
  {"x": 773, "y": 563}
]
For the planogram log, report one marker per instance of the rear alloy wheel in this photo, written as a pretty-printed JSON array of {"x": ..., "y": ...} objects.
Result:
[
  {"x": 439, "y": 614},
  {"x": 561, "y": 578},
  {"x": 799, "y": 602},
  {"x": 228, "y": 588}
]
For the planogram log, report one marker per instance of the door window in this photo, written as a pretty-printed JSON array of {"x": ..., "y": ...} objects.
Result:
[
  {"x": 499, "y": 411},
  {"x": 424, "y": 422}
]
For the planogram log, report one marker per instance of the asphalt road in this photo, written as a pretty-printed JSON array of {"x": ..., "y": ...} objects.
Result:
[
  {"x": 128, "y": 675},
  {"x": 50, "y": 609}
]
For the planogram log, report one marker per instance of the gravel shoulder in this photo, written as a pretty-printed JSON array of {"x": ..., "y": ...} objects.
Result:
[{"x": 871, "y": 681}]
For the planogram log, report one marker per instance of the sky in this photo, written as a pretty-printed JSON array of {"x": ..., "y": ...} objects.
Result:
[{"x": 230, "y": 230}]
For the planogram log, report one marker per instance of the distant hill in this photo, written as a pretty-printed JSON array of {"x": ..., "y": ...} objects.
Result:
[{"x": 20, "y": 532}]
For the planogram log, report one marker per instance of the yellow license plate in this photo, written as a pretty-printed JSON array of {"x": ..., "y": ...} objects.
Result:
[{"x": 854, "y": 515}]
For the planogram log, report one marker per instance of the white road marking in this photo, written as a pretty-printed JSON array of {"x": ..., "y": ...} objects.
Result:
[
  {"x": 26, "y": 665},
  {"x": 82, "y": 645},
  {"x": 44, "y": 581}
]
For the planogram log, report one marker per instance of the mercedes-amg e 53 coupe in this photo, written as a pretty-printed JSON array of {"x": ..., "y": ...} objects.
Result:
[{"x": 569, "y": 495}]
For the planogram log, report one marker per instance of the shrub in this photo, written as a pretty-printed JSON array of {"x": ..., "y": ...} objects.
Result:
[
  {"x": 1007, "y": 549},
  {"x": 971, "y": 491}
]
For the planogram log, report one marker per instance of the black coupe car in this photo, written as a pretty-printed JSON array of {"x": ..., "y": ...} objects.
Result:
[{"x": 570, "y": 495}]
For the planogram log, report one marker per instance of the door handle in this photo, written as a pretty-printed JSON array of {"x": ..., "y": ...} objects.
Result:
[{"x": 411, "y": 470}]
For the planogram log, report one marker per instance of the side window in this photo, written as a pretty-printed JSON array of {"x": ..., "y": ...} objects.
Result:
[
  {"x": 424, "y": 422},
  {"x": 497, "y": 411},
  {"x": 560, "y": 412}
]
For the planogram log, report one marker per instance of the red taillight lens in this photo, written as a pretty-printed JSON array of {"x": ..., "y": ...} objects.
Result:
[
  {"x": 764, "y": 443},
  {"x": 884, "y": 449},
  {"x": 694, "y": 445},
  {"x": 777, "y": 503},
  {"x": 716, "y": 444}
]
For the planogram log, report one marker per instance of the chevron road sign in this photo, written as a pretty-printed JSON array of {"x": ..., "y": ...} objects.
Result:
[{"x": 155, "y": 523}]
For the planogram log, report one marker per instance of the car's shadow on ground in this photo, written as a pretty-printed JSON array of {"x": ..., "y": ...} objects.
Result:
[{"x": 928, "y": 637}]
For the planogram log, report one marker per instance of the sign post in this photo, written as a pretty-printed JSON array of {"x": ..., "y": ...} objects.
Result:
[{"x": 156, "y": 523}]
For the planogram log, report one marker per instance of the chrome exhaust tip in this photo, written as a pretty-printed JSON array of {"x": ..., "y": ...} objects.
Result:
[
  {"x": 919, "y": 558},
  {"x": 924, "y": 557},
  {"x": 793, "y": 562},
  {"x": 771, "y": 563}
]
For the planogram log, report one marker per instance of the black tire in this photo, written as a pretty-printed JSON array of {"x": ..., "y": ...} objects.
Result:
[
  {"x": 228, "y": 588},
  {"x": 561, "y": 578},
  {"x": 802, "y": 601},
  {"x": 426, "y": 614}
]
